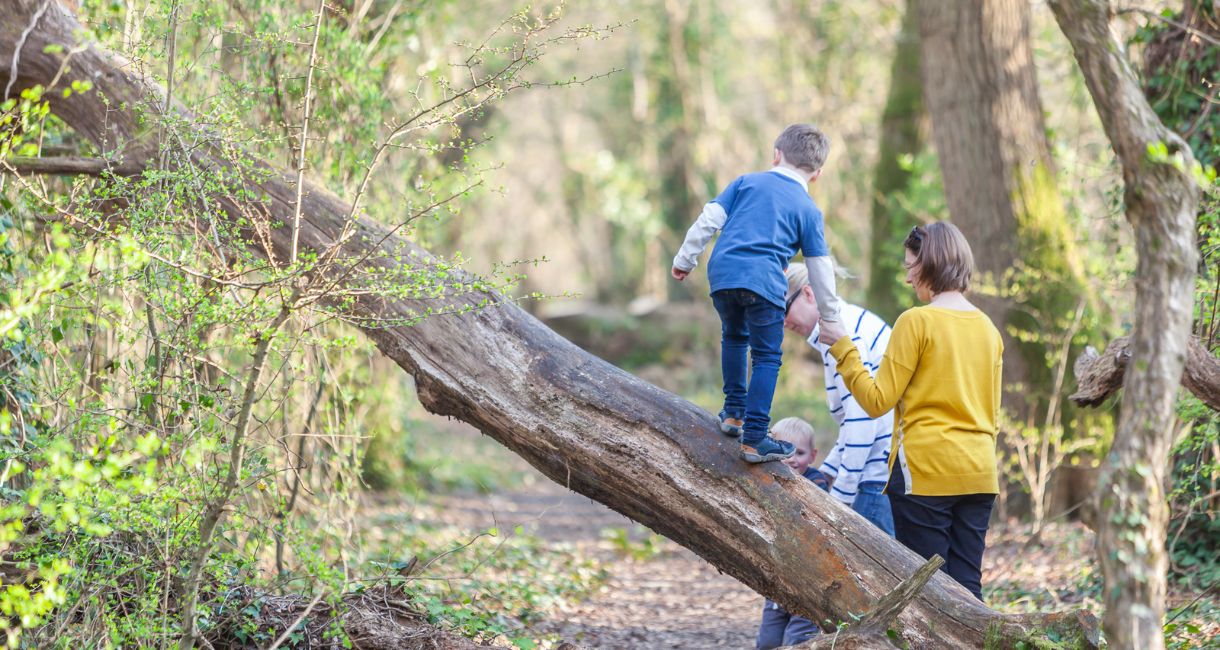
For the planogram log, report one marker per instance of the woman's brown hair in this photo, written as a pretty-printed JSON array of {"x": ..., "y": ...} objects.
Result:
[{"x": 943, "y": 255}]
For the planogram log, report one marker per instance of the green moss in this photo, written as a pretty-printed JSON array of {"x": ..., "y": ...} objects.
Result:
[
  {"x": 1051, "y": 294},
  {"x": 1047, "y": 637}
]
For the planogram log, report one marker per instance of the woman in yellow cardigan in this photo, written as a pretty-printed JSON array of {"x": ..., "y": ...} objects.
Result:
[{"x": 942, "y": 371}]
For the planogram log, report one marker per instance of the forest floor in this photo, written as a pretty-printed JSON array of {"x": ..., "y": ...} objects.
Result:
[
  {"x": 655, "y": 594},
  {"x": 652, "y": 593}
]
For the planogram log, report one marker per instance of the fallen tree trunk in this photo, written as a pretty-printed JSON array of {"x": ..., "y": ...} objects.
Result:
[
  {"x": 587, "y": 425},
  {"x": 1098, "y": 376},
  {"x": 871, "y": 630}
]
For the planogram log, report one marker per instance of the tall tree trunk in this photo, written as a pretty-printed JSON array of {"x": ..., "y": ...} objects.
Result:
[
  {"x": 902, "y": 133},
  {"x": 677, "y": 107},
  {"x": 1161, "y": 199},
  {"x": 587, "y": 425},
  {"x": 981, "y": 92}
]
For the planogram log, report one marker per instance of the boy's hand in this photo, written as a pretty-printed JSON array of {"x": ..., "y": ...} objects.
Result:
[
  {"x": 678, "y": 273},
  {"x": 831, "y": 331}
]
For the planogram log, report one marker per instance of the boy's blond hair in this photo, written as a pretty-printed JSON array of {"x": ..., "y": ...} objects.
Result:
[
  {"x": 793, "y": 429},
  {"x": 798, "y": 277}
]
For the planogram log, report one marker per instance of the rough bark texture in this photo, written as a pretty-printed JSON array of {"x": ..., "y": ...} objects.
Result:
[
  {"x": 981, "y": 92},
  {"x": 1099, "y": 375},
  {"x": 902, "y": 133},
  {"x": 585, "y": 424},
  {"x": 1161, "y": 199},
  {"x": 871, "y": 630}
]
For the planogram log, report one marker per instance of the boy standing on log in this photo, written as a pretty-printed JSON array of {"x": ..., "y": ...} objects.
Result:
[{"x": 764, "y": 219}]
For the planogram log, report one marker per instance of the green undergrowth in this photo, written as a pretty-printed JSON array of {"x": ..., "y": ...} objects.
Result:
[
  {"x": 1193, "y": 625},
  {"x": 490, "y": 585},
  {"x": 636, "y": 542}
]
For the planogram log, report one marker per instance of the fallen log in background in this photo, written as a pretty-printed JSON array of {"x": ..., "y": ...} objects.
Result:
[
  {"x": 1098, "y": 376},
  {"x": 587, "y": 425}
]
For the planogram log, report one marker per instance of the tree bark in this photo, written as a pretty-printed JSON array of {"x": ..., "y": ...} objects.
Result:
[
  {"x": 69, "y": 166},
  {"x": 1099, "y": 376},
  {"x": 902, "y": 133},
  {"x": 981, "y": 92},
  {"x": 648, "y": 454},
  {"x": 678, "y": 194},
  {"x": 870, "y": 630},
  {"x": 1161, "y": 199}
]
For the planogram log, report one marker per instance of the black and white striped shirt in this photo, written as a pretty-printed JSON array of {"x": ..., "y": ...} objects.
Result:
[{"x": 862, "y": 451}]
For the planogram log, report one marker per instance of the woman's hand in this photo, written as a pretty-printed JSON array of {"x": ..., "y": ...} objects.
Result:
[{"x": 831, "y": 331}]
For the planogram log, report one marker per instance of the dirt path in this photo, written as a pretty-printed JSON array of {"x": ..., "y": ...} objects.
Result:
[{"x": 673, "y": 599}]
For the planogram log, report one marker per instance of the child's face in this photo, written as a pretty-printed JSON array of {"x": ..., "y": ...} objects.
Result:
[{"x": 805, "y": 453}]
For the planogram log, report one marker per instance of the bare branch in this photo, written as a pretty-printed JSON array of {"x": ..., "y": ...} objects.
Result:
[
  {"x": 12, "y": 73},
  {"x": 70, "y": 166},
  {"x": 1203, "y": 36},
  {"x": 313, "y": 62}
]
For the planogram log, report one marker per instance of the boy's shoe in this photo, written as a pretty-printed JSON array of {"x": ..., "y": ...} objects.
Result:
[
  {"x": 731, "y": 426},
  {"x": 767, "y": 449}
]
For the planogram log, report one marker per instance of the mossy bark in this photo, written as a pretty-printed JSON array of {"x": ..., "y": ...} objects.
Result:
[
  {"x": 903, "y": 124},
  {"x": 1161, "y": 199},
  {"x": 981, "y": 91}
]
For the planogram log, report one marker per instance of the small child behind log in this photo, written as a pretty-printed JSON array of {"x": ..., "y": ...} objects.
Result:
[{"x": 778, "y": 627}]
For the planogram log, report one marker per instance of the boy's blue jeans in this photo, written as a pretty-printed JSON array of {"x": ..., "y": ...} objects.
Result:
[{"x": 748, "y": 321}]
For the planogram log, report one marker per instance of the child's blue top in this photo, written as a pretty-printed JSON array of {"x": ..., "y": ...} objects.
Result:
[
  {"x": 770, "y": 217},
  {"x": 819, "y": 479}
]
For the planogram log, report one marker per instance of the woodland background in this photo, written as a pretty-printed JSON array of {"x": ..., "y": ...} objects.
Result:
[{"x": 136, "y": 357}]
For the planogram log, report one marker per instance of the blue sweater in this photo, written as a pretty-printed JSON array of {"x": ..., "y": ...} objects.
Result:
[
  {"x": 819, "y": 479},
  {"x": 770, "y": 218}
]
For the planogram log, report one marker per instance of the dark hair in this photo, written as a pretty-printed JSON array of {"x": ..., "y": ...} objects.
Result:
[
  {"x": 943, "y": 256},
  {"x": 804, "y": 147}
]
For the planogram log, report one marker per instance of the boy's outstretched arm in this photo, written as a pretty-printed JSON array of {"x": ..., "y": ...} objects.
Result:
[
  {"x": 697, "y": 237},
  {"x": 822, "y": 280}
]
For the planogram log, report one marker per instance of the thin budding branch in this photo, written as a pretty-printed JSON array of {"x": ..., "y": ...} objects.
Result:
[
  {"x": 215, "y": 508},
  {"x": 313, "y": 60}
]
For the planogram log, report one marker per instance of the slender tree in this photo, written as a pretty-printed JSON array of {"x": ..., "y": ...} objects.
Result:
[
  {"x": 902, "y": 134},
  {"x": 1161, "y": 198}
]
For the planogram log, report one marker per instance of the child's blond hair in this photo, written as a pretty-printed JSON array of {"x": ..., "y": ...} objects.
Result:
[{"x": 793, "y": 430}]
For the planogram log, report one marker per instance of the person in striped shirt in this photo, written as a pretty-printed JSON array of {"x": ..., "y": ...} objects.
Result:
[{"x": 858, "y": 465}]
